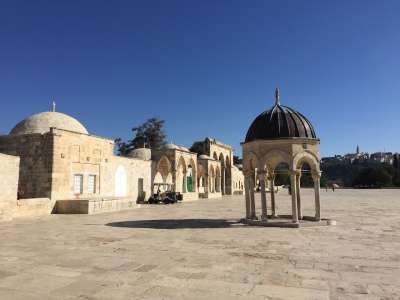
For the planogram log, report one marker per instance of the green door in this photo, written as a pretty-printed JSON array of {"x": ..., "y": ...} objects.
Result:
[{"x": 189, "y": 184}]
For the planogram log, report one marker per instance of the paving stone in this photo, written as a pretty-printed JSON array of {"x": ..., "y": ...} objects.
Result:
[{"x": 88, "y": 257}]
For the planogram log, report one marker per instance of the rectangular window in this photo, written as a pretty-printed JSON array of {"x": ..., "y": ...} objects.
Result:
[
  {"x": 92, "y": 184},
  {"x": 78, "y": 184}
]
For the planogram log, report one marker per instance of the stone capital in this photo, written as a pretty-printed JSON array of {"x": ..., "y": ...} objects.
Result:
[
  {"x": 316, "y": 175},
  {"x": 296, "y": 172}
]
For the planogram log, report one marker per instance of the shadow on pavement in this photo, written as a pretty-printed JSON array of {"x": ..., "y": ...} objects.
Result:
[{"x": 178, "y": 223}]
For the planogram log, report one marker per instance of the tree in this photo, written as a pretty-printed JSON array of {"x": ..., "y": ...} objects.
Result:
[
  {"x": 237, "y": 160},
  {"x": 150, "y": 134}
]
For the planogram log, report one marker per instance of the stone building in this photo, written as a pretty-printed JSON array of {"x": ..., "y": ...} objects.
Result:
[
  {"x": 176, "y": 166},
  {"x": 228, "y": 174},
  {"x": 209, "y": 181},
  {"x": 53, "y": 164},
  {"x": 60, "y": 161},
  {"x": 8, "y": 186}
]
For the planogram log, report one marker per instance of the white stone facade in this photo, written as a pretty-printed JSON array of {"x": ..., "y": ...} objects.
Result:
[{"x": 59, "y": 167}]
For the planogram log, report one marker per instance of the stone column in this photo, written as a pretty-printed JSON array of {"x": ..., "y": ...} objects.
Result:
[
  {"x": 261, "y": 176},
  {"x": 252, "y": 203},
  {"x": 294, "y": 197},
  {"x": 316, "y": 178},
  {"x": 247, "y": 196},
  {"x": 222, "y": 187},
  {"x": 272, "y": 188},
  {"x": 206, "y": 181},
  {"x": 298, "y": 177}
]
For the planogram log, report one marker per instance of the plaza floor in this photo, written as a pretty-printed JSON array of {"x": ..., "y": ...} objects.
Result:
[{"x": 198, "y": 250}]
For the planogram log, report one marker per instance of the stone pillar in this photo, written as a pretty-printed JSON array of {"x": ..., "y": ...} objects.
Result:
[
  {"x": 247, "y": 196},
  {"x": 316, "y": 178},
  {"x": 294, "y": 196},
  {"x": 272, "y": 188},
  {"x": 298, "y": 177},
  {"x": 222, "y": 187},
  {"x": 261, "y": 176},
  {"x": 252, "y": 203}
]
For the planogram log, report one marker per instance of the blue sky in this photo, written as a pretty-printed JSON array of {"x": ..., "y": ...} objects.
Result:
[{"x": 207, "y": 67}]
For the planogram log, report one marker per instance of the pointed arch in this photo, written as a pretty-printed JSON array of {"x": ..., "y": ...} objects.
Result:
[
  {"x": 211, "y": 179},
  {"x": 273, "y": 158},
  {"x": 180, "y": 185},
  {"x": 193, "y": 176},
  {"x": 250, "y": 161},
  {"x": 215, "y": 155},
  {"x": 164, "y": 167},
  {"x": 306, "y": 157},
  {"x": 217, "y": 179}
]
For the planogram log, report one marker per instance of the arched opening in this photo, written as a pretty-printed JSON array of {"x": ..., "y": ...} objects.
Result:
[
  {"x": 306, "y": 179},
  {"x": 217, "y": 180},
  {"x": 200, "y": 179},
  {"x": 194, "y": 175},
  {"x": 163, "y": 175},
  {"x": 120, "y": 182},
  {"x": 180, "y": 181},
  {"x": 189, "y": 179},
  {"x": 308, "y": 175},
  {"x": 282, "y": 174},
  {"x": 211, "y": 180},
  {"x": 158, "y": 178},
  {"x": 222, "y": 183},
  {"x": 228, "y": 176},
  {"x": 215, "y": 156}
]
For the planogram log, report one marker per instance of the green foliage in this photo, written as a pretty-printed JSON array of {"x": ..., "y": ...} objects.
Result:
[
  {"x": 197, "y": 147},
  {"x": 237, "y": 160},
  {"x": 150, "y": 134},
  {"x": 360, "y": 174}
]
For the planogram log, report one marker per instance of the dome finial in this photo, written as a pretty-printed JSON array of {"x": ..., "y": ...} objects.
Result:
[
  {"x": 53, "y": 107},
  {"x": 277, "y": 97}
]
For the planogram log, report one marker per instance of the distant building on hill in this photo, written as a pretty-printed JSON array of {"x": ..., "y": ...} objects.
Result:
[{"x": 360, "y": 157}]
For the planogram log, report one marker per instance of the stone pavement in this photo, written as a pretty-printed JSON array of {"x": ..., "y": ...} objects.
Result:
[{"x": 197, "y": 250}]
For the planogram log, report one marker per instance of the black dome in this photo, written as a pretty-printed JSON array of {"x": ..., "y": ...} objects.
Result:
[{"x": 280, "y": 122}]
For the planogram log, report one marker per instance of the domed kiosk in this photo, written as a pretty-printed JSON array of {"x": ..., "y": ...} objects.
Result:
[{"x": 280, "y": 135}]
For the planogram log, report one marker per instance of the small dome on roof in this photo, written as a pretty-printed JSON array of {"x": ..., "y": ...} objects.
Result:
[
  {"x": 171, "y": 146},
  {"x": 184, "y": 148},
  {"x": 203, "y": 156},
  {"x": 141, "y": 153},
  {"x": 280, "y": 122},
  {"x": 42, "y": 122}
]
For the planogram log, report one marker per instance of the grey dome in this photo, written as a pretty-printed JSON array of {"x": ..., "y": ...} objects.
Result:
[
  {"x": 280, "y": 122},
  {"x": 42, "y": 122},
  {"x": 171, "y": 146},
  {"x": 141, "y": 153},
  {"x": 184, "y": 149}
]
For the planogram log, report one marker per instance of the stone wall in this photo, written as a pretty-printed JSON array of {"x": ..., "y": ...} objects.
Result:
[
  {"x": 135, "y": 171},
  {"x": 95, "y": 206},
  {"x": 34, "y": 207},
  {"x": 35, "y": 152},
  {"x": 177, "y": 162},
  {"x": 81, "y": 154},
  {"x": 237, "y": 180},
  {"x": 8, "y": 185}
]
